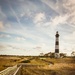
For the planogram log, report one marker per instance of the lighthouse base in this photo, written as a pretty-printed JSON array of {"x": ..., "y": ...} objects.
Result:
[{"x": 57, "y": 55}]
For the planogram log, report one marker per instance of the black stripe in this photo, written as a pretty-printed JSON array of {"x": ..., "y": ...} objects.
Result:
[
  {"x": 57, "y": 43},
  {"x": 57, "y": 35},
  {"x": 56, "y": 50}
]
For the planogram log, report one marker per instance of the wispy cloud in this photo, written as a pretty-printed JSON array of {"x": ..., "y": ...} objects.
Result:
[
  {"x": 18, "y": 19},
  {"x": 64, "y": 7},
  {"x": 70, "y": 6},
  {"x": 2, "y": 47},
  {"x": 39, "y": 17},
  {"x": 58, "y": 20},
  {"x": 2, "y": 15},
  {"x": 1, "y": 26},
  {"x": 70, "y": 37},
  {"x": 36, "y": 24},
  {"x": 55, "y": 5},
  {"x": 20, "y": 39},
  {"x": 5, "y": 36}
]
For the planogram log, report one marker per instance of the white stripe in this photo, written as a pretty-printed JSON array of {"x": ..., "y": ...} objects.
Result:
[
  {"x": 57, "y": 39},
  {"x": 56, "y": 46}
]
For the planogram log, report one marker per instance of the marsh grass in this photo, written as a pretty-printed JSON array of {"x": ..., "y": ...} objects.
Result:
[{"x": 62, "y": 66}]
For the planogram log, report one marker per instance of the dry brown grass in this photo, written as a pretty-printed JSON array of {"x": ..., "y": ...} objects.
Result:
[
  {"x": 56, "y": 69},
  {"x": 62, "y": 66},
  {"x": 8, "y": 61}
]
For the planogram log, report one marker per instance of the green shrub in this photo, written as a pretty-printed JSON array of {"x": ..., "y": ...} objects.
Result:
[{"x": 26, "y": 61}]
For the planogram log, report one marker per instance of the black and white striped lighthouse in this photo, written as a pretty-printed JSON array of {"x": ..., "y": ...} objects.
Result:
[{"x": 57, "y": 55}]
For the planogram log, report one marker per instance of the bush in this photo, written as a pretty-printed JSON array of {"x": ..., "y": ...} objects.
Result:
[{"x": 26, "y": 61}]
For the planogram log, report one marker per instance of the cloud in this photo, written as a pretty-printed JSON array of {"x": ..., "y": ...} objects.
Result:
[
  {"x": 1, "y": 26},
  {"x": 7, "y": 25},
  {"x": 5, "y": 36},
  {"x": 4, "y": 27},
  {"x": 15, "y": 14},
  {"x": 64, "y": 7},
  {"x": 47, "y": 17},
  {"x": 42, "y": 47},
  {"x": 53, "y": 22},
  {"x": 70, "y": 37},
  {"x": 11, "y": 50},
  {"x": 39, "y": 17},
  {"x": 2, "y": 15},
  {"x": 21, "y": 0},
  {"x": 54, "y": 5},
  {"x": 58, "y": 20},
  {"x": 37, "y": 47},
  {"x": 20, "y": 38},
  {"x": 2, "y": 47},
  {"x": 70, "y": 7}
]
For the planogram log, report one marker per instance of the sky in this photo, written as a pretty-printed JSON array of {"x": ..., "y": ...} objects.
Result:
[{"x": 28, "y": 27}]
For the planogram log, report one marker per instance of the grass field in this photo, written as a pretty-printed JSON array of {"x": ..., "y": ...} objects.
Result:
[
  {"x": 62, "y": 66},
  {"x": 51, "y": 66}
]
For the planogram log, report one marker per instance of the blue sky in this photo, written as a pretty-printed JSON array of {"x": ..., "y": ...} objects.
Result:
[{"x": 28, "y": 27}]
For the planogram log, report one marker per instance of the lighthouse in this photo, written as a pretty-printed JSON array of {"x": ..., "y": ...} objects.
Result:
[{"x": 57, "y": 55}]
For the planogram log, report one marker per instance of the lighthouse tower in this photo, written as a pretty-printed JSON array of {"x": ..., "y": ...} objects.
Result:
[{"x": 57, "y": 55}]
